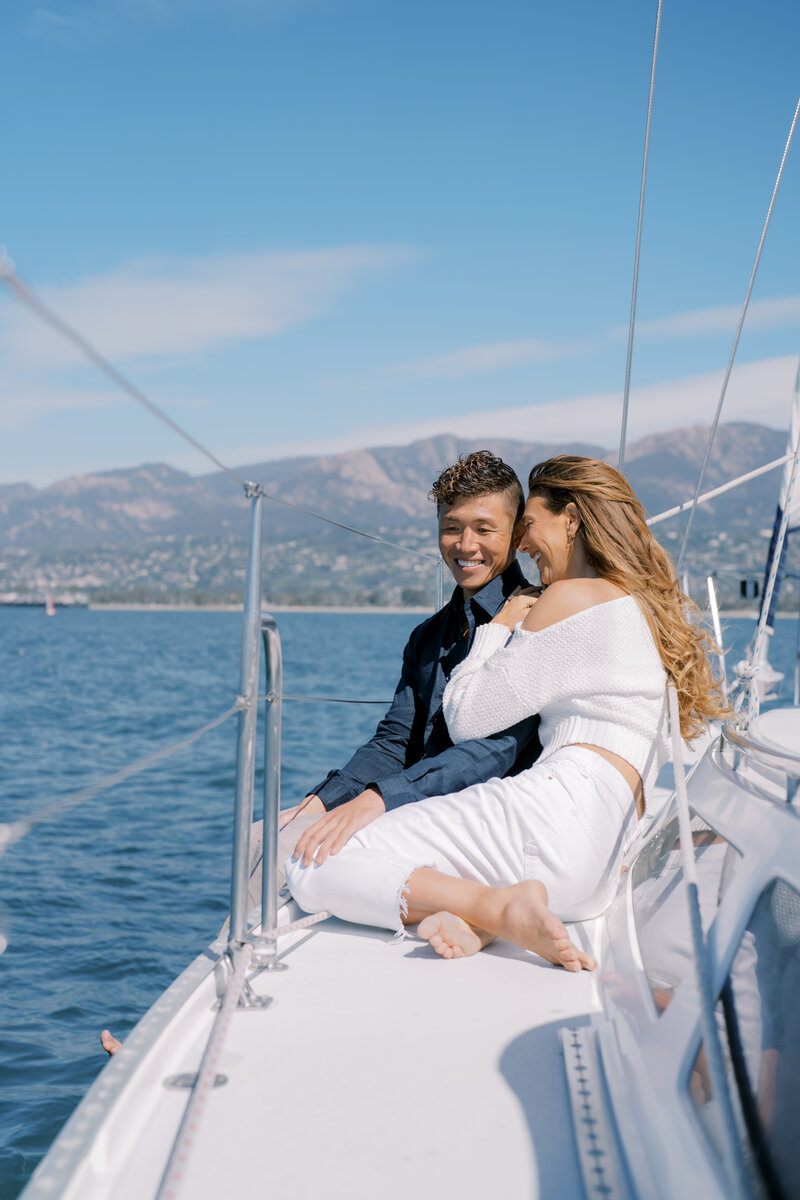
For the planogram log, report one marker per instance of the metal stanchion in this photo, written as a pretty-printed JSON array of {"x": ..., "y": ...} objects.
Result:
[
  {"x": 439, "y": 585},
  {"x": 248, "y": 718},
  {"x": 267, "y": 948}
]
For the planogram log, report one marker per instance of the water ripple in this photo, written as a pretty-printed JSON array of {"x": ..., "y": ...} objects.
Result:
[{"x": 106, "y": 905}]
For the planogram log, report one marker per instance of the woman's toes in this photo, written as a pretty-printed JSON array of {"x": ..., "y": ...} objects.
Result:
[
  {"x": 428, "y": 928},
  {"x": 109, "y": 1043},
  {"x": 451, "y": 936}
]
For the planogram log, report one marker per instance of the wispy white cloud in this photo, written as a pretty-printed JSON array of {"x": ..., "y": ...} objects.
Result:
[
  {"x": 779, "y": 313},
  {"x": 489, "y": 356},
  {"x": 174, "y": 306},
  {"x": 50, "y": 25},
  {"x": 26, "y": 408},
  {"x": 77, "y": 21},
  {"x": 759, "y": 392}
]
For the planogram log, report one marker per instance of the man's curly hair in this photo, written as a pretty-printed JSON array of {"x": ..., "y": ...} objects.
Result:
[{"x": 478, "y": 474}]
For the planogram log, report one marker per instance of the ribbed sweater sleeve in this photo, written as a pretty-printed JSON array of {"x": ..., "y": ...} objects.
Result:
[
  {"x": 593, "y": 662},
  {"x": 595, "y": 678}
]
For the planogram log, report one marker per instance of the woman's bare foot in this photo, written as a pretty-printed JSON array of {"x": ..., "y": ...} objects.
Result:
[
  {"x": 451, "y": 936},
  {"x": 524, "y": 918},
  {"x": 109, "y": 1042}
]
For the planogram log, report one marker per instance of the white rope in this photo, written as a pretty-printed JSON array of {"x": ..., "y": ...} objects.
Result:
[
  {"x": 629, "y": 360},
  {"x": 711, "y": 1040},
  {"x": 169, "y": 1187},
  {"x": 271, "y": 935},
  {"x": 171, "y": 1180},
  {"x": 13, "y": 831},
  {"x": 718, "y": 491},
  {"x": 713, "y": 431}
]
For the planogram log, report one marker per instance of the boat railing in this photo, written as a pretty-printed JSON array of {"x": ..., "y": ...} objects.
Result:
[
  {"x": 740, "y": 746},
  {"x": 257, "y": 627},
  {"x": 260, "y": 627}
]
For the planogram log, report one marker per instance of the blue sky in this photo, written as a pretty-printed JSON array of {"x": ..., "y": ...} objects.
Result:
[{"x": 306, "y": 225}]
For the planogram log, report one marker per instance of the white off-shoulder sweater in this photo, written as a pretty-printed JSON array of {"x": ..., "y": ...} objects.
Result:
[{"x": 595, "y": 677}]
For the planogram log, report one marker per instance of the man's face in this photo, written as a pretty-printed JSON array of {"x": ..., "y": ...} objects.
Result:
[{"x": 477, "y": 539}]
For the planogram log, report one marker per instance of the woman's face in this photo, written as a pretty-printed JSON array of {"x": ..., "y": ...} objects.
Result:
[{"x": 545, "y": 539}]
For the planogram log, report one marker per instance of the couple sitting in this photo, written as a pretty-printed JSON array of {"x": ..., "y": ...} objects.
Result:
[{"x": 456, "y": 816}]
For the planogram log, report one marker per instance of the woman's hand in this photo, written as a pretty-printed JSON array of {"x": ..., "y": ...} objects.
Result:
[
  {"x": 334, "y": 830},
  {"x": 516, "y": 608}
]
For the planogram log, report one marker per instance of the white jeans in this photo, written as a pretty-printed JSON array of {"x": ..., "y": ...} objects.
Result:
[{"x": 566, "y": 822}]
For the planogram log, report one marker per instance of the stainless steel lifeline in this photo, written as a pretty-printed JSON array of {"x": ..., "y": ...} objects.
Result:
[{"x": 248, "y": 719}]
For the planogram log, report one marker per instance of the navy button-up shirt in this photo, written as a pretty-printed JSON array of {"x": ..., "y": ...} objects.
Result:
[{"x": 411, "y": 754}]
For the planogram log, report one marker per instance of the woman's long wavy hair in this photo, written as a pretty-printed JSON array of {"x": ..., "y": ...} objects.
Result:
[{"x": 621, "y": 548}]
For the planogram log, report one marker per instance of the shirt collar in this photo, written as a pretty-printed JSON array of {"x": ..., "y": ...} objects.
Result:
[{"x": 491, "y": 597}]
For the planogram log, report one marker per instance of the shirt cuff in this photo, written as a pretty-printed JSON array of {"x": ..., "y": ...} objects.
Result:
[
  {"x": 332, "y": 793},
  {"x": 396, "y": 791}
]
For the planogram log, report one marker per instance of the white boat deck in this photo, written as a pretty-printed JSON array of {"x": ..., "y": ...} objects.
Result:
[
  {"x": 378, "y": 1069},
  {"x": 780, "y": 727}
]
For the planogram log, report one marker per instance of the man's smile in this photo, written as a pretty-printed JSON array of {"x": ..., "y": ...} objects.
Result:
[{"x": 465, "y": 563}]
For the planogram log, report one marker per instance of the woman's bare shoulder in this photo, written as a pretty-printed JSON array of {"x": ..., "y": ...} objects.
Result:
[{"x": 567, "y": 597}]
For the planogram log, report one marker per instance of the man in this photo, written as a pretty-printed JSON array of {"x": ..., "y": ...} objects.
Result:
[{"x": 480, "y": 503}]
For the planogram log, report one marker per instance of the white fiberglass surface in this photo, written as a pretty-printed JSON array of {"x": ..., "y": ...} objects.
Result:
[
  {"x": 379, "y": 1069},
  {"x": 780, "y": 727}
]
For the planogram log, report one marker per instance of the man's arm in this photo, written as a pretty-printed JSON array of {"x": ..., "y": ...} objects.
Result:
[
  {"x": 450, "y": 771},
  {"x": 461, "y": 765},
  {"x": 385, "y": 753}
]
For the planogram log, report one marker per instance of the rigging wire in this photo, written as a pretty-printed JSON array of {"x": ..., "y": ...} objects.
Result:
[
  {"x": 9, "y": 275},
  {"x": 13, "y": 831},
  {"x": 750, "y": 691},
  {"x": 626, "y": 394},
  {"x": 717, "y": 491},
  {"x": 23, "y": 293},
  {"x": 373, "y": 537},
  {"x": 713, "y": 430},
  {"x": 328, "y": 700}
]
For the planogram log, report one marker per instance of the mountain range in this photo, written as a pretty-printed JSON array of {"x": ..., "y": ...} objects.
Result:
[
  {"x": 156, "y": 534},
  {"x": 384, "y": 488}
]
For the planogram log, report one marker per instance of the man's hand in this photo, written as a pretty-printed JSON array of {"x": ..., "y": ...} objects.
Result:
[
  {"x": 333, "y": 831},
  {"x": 311, "y": 804}
]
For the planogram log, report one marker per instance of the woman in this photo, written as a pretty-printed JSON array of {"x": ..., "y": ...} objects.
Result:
[{"x": 516, "y": 857}]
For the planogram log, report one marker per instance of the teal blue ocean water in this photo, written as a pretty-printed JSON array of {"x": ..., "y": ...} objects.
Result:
[{"x": 105, "y": 905}]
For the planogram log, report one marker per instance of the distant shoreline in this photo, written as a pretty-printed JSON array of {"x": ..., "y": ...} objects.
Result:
[
  {"x": 273, "y": 608},
  {"x": 745, "y": 613},
  {"x": 416, "y": 609}
]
